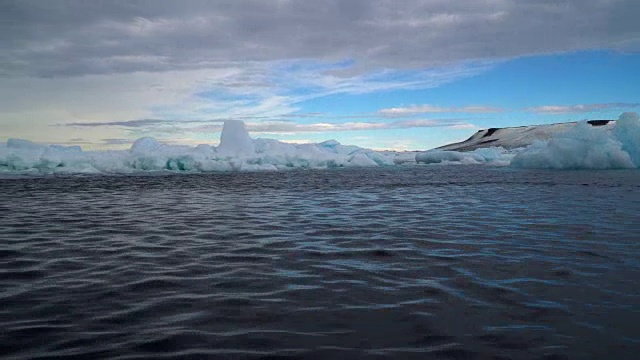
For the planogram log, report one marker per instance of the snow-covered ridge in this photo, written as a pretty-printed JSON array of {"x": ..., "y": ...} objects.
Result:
[
  {"x": 517, "y": 137},
  {"x": 598, "y": 144}
]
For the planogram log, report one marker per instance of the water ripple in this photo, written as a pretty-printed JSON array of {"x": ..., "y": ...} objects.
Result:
[{"x": 416, "y": 262}]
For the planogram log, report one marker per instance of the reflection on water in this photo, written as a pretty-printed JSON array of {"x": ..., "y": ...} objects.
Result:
[{"x": 415, "y": 262}]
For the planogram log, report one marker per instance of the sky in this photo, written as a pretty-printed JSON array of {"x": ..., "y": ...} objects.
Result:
[{"x": 382, "y": 74}]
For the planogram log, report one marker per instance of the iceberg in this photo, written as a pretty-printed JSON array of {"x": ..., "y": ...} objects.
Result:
[
  {"x": 586, "y": 147},
  {"x": 627, "y": 131},
  {"x": 497, "y": 156},
  {"x": 237, "y": 151},
  {"x": 235, "y": 140},
  {"x": 583, "y": 145}
]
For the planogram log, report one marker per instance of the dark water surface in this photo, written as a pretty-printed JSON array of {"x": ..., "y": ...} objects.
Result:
[{"x": 457, "y": 262}]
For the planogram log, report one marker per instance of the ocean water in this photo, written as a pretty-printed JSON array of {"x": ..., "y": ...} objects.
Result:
[{"x": 416, "y": 262}]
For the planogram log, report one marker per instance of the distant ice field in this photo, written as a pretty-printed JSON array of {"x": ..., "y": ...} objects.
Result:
[
  {"x": 566, "y": 146},
  {"x": 414, "y": 262}
]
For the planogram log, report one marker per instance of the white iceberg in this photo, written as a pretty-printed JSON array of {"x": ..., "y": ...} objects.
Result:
[
  {"x": 496, "y": 156},
  {"x": 587, "y": 147},
  {"x": 235, "y": 140},
  {"x": 237, "y": 152},
  {"x": 609, "y": 145}
]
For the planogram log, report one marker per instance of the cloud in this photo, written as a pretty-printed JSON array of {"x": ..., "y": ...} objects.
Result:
[
  {"x": 117, "y": 141},
  {"x": 80, "y": 62},
  {"x": 212, "y": 94},
  {"x": 274, "y": 126},
  {"x": 75, "y": 141},
  {"x": 426, "y": 109},
  {"x": 130, "y": 123},
  {"x": 288, "y": 127},
  {"x": 74, "y": 37},
  {"x": 577, "y": 109}
]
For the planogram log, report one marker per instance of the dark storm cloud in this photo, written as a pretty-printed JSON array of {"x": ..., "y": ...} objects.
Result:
[{"x": 71, "y": 38}]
